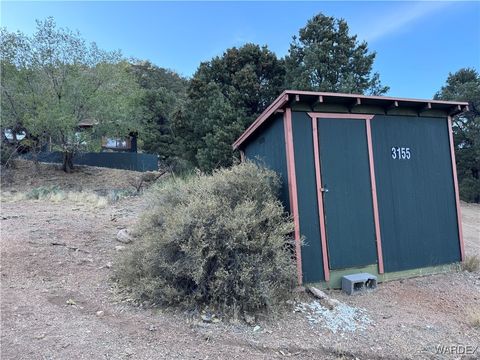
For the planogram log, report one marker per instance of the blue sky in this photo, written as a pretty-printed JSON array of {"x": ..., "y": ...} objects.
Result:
[{"x": 417, "y": 43}]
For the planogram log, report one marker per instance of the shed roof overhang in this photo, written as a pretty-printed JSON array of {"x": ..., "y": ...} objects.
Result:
[{"x": 350, "y": 101}]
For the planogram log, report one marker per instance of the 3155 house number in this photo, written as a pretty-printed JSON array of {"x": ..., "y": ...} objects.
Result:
[{"x": 401, "y": 153}]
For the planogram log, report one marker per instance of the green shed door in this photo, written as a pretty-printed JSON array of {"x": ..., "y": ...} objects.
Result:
[{"x": 345, "y": 173}]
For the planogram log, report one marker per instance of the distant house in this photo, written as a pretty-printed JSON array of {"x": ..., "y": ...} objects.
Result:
[
  {"x": 116, "y": 152},
  {"x": 9, "y": 136},
  {"x": 16, "y": 139},
  {"x": 125, "y": 144}
]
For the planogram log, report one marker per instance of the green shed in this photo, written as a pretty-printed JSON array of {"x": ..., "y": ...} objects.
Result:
[{"x": 370, "y": 181}]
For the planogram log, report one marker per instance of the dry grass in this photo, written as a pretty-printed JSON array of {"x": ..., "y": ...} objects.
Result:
[
  {"x": 471, "y": 263},
  {"x": 473, "y": 317},
  {"x": 26, "y": 176},
  {"x": 92, "y": 186},
  {"x": 54, "y": 195}
]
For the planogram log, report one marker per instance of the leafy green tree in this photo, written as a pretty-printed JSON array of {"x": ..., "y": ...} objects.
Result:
[
  {"x": 464, "y": 85},
  {"x": 225, "y": 95},
  {"x": 325, "y": 57},
  {"x": 53, "y": 80},
  {"x": 16, "y": 81},
  {"x": 163, "y": 92}
]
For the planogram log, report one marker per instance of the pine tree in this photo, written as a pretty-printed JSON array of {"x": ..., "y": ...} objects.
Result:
[
  {"x": 464, "y": 85},
  {"x": 325, "y": 57}
]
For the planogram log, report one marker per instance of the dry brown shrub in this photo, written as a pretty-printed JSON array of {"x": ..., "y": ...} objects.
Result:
[{"x": 220, "y": 241}]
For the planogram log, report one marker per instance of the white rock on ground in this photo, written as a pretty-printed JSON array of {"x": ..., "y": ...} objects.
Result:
[
  {"x": 317, "y": 293},
  {"x": 124, "y": 237},
  {"x": 325, "y": 300}
]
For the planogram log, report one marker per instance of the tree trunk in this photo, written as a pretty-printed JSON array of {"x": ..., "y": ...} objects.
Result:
[{"x": 67, "y": 162}]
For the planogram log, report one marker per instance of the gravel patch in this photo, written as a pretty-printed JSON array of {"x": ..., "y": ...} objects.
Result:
[{"x": 341, "y": 319}]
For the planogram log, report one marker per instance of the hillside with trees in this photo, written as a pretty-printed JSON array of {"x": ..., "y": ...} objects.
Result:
[{"x": 53, "y": 80}]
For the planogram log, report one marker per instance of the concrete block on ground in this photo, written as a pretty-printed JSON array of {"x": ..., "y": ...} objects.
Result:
[{"x": 355, "y": 283}]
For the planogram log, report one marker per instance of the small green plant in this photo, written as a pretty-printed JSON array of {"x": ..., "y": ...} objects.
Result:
[
  {"x": 117, "y": 194},
  {"x": 220, "y": 241},
  {"x": 471, "y": 263},
  {"x": 474, "y": 318}
]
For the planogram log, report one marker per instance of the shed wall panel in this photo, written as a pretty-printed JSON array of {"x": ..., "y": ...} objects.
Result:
[
  {"x": 312, "y": 264},
  {"x": 267, "y": 148},
  {"x": 415, "y": 196}
]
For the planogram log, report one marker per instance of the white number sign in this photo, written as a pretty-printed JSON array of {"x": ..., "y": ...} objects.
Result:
[{"x": 401, "y": 153}]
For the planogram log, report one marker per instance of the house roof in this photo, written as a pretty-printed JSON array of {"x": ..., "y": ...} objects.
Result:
[
  {"x": 86, "y": 123},
  {"x": 289, "y": 97}
]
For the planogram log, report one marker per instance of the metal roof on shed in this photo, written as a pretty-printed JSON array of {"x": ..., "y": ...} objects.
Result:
[{"x": 289, "y": 97}]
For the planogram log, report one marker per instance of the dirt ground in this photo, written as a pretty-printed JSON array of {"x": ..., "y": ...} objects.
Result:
[
  {"x": 26, "y": 176},
  {"x": 58, "y": 300}
]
